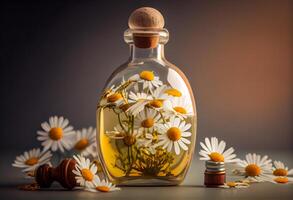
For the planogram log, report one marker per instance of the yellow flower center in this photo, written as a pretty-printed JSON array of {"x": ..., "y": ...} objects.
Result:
[
  {"x": 129, "y": 140},
  {"x": 174, "y": 133},
  {"x": 252, "y": 170},
  {"x": 147, "y": 75},
  {"x": 87, "y": 174},
  {"x": 147, "y": 123},
  {"x": 56, "y": 133},
  {"x": 173, "y": 92},
  {"x": 157, "y": 103},
  {"x": 231, "y": 184},
  {"x": 32, "y": 161},
  {"x": 103, "y": 188},
  {"x": 81, "y": 144},
  {"x": 114, "y": 97},
  {"x": 280, "y": 172},
  {"x": 180, "y": 110},
  {"x": 281, "y": 180},
  {"x": 216, "y": 157}
]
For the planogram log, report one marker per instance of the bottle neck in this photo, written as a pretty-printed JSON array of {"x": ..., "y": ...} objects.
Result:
[{"x": 146, "y": 53}]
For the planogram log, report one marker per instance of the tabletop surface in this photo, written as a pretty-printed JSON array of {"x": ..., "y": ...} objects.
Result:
[{"x": 192, "y": 187}]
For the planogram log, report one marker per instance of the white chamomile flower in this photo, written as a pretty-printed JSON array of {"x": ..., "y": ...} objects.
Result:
[
  {"x": 255, "y": 168},
  {"x": 215, "y": 151},
  {"x": 56, "y": 134},
  {"x": 115, "y": 98},
  {"x": 83, "y": 140},
  {"x": 238, "y": 185},
  {"x": 148, "y": 79},
  {"x": 147, "y": 120},
  {"x": 166, "y": 92},
  {"x": 279, "y": 169},
  {"x": 138, "y": 101},
  {"x": 85, "y": 172},
  {"x": 280, "y": 173},
  {"x": 111, "y": 96},
  {"x": 117, "y": 133},
  {"x": 180, "y": 107},
  {"x": 146, "y": 141},
  {"x": 102, "y": 186},
  {"x": 278, "y": 179},
  {"x": 134, "y": 97},
  {"x": 174, "y": 133},
  {"x": 120, "y": 134},
  {"x": 32, "y": 159}
]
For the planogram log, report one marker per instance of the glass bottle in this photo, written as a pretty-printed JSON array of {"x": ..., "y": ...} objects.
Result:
[{"x": 146, "y": 116}]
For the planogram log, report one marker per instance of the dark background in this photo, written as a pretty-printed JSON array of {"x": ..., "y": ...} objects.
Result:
[{"x": 57, "y": 55}]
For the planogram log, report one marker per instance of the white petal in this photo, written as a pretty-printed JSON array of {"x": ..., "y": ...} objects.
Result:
[{"x": 177, "y": 149}]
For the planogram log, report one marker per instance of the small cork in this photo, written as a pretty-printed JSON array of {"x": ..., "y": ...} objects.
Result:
[{"x": 146, "y": 19}]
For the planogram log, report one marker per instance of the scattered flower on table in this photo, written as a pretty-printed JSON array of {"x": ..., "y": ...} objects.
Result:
[
  {"x": 56, "y": 134},
  {"x": 102, "y": 186},
  {"x": 214, "y": 150},
  {"x": 238, "y": 185},
  {"x": 280, "y": 174},
  {"x": 279, "y": 169},
  {"x": 85, "y": 171},
  {"x": 254, "y": 168},
  {"x": 83, "y": 140},
  {"x": 32, "y": 159}
]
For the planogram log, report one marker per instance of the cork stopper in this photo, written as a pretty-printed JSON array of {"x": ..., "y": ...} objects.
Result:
[
  {"x": 146, "y": 18},
  {"x": 148, "y": 21}
]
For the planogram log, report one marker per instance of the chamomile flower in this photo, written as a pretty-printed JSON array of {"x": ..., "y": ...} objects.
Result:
[
  {"x": 166, "y": 92},
  {"x": 84, "y": 138},
  {"x": 215, "y": 151},
  {"x": 278, "y": 179},
  {"x": 279, "y": 169},
  {"x": 180, "y": 107},
  {"x": 146, "y": 141},
  {"x": 120, "y": 134},
  {"x": 238, "y": 185},
  {"x": 134, "y": 97},
  {"x": 56, "y": 134},
  {"x": 147, "y": 120},
  {"x": 85, "y": 172},
  {"x": 255, "y": 168},
  {"x": 280, "y": 173},
  {"x": 138, "y": 107},
  {"x": 174, "y": 133},
  {"x": 32, "y": 159},
  {"x": 102, "y": 186},
  {"x": 148, "y": 79}
]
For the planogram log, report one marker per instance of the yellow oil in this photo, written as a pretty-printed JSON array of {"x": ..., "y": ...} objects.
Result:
[{"x": 111, "y": 149}]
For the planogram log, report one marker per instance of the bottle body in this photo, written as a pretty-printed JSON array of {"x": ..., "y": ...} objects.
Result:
[{"x": 146, "y": 122}]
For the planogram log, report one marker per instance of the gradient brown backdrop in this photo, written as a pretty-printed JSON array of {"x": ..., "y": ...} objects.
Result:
[{"x": 57, "y": 55}]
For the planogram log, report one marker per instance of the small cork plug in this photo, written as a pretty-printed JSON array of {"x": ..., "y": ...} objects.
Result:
[{"x": 146, "y": 19}]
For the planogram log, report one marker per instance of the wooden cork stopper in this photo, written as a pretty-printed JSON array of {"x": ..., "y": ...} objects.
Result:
[
  {"x": 46, "y": 175},
  {"x": 146, "y": 19}
]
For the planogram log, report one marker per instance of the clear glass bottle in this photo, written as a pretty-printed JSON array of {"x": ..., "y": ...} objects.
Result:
[{"x": 146, "y": 117}]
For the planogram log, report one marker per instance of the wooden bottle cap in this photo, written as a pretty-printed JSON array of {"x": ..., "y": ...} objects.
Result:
[
  {"x": 149, "y": 21},
  {"x": 45, "y": 175}
]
